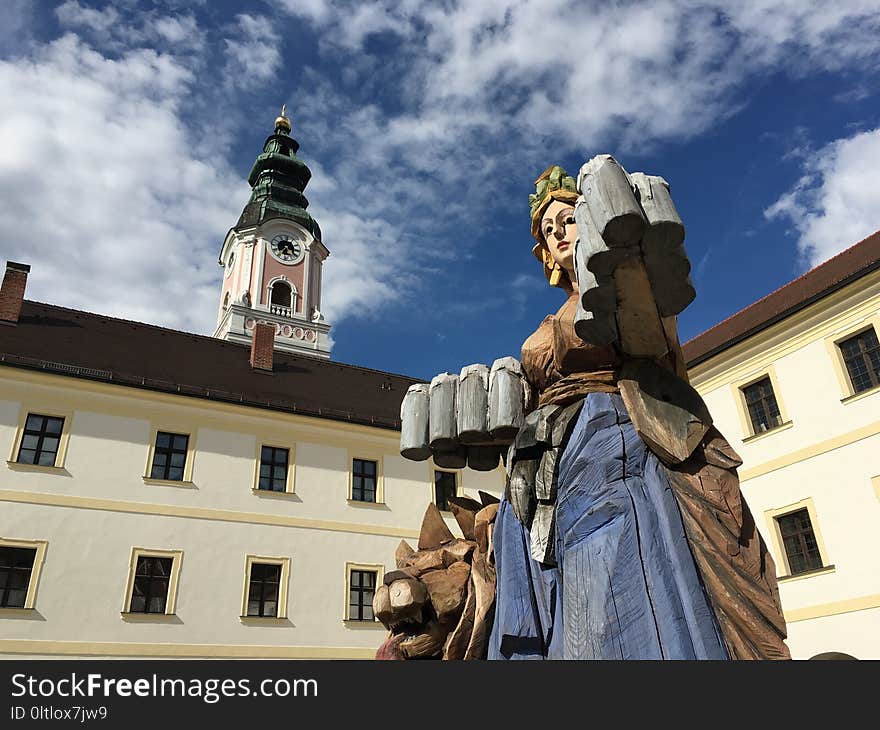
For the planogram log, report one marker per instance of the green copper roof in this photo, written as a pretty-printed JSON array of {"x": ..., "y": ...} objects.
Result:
[{"x": 278, "y": 179}]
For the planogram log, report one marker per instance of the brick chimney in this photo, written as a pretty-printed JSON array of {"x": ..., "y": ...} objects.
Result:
[
  {"x": 12, "y": 291},
  {"x": 262, "y": 346}
]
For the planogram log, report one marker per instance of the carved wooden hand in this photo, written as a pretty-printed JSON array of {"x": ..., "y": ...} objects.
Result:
[{"x": 632, "y": 270}]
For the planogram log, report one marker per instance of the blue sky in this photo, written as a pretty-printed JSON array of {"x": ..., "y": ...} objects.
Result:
[{"x": 127, "y": 130}]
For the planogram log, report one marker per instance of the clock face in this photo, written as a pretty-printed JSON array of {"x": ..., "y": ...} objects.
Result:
[
  {"x": 287, "y": 249},
  {"x": 229, "y": 263}
]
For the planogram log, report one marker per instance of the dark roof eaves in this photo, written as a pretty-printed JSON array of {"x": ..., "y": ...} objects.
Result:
[
  {"x": 803, "y": 304},
  {"x": 129, "y": 381},
  {"x": 216, "y": 341}
]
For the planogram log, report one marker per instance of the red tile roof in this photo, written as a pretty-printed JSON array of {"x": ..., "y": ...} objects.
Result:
[
  {"x": 845, "y": 267},
  {"x": 81, "y": 344}
]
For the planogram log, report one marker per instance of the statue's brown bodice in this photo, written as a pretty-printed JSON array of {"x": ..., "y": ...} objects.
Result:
[{"x": 560, "y": 366}]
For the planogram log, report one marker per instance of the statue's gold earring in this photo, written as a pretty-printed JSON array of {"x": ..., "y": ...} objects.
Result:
[{"x": 555, "y": 275}]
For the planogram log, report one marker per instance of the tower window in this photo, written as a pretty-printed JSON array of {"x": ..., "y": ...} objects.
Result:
[
  {"x": 861, "y": 354},
  {"x": 763, "y": 408},
  {"x": 281, "y": 294},
  {"x": 281, "y": 299}
]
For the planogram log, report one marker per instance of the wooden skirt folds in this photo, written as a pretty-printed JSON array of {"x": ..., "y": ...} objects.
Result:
[{"x": 626, "y": 584}]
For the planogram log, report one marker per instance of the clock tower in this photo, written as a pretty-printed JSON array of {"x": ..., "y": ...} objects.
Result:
[{"x": 273, "y": 256}]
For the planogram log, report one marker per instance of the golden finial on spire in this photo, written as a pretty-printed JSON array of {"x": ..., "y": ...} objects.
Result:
[{"x": 282, "y": 123}]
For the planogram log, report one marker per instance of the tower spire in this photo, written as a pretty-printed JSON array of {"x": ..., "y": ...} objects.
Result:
[
  {"x": 273, "y": 256},
  {"x": 282, "y": 123}
]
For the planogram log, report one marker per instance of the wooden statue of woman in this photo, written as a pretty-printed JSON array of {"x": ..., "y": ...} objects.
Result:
[{"x": 622, "y": 533}]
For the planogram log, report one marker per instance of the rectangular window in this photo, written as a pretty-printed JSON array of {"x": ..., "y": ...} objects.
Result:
[
  {"x": 169, "y": 456},
  {"x": 762, "y": 406},
  {"x": 263, "y": 589},
  {"x": 40, "y": 439},
  {"x": 445, "y": 486},
  {"x": 361, "y": 588},
  {"x": 363, "y": 480},
  {"x": 273, "y": 469},
  {"x": 150, "y": 588},
  {"x": 16, "y": 566},
  {"x": 861, "y": 355},
  {"x": 799, "y": 542}
]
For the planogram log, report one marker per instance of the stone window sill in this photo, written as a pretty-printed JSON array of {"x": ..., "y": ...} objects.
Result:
[
  {"x": 858, "y": 396},
  {"x": 265, "y": 620},
  {"x": 776, "y": 429},
  {"x": 170, "y": 483},
  {"x": 272, "y": 493},
  {"x": 17, "y": 466},
  {"x": 362, "y": 503},
  {"x": 807, "y": 574},
  {"x": 9, "y": 611},
  {"x": 149, "y": 618}
]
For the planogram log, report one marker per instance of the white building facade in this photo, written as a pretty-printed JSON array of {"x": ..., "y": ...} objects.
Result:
[{"x": 793, "y": 382}]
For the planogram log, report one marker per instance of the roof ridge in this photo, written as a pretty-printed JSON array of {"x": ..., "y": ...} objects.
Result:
[
  {"x": 808, "y": 272},
  {"x": 213, "y": 339}
]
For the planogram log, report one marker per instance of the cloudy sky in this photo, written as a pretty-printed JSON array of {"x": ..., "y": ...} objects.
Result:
[{"x": 127, "y": 130}]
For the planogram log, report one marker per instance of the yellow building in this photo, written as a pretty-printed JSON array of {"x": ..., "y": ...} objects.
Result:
[
  {"x": 793, "y": 382},
  {"x": 173, "y": 495}
]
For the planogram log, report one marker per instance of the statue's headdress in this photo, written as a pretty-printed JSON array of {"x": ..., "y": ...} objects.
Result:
[{"x": 552, "y": 184}]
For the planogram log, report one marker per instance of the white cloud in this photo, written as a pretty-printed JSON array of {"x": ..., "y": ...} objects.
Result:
[
  {"x": 252, "y": 54},
  {"x": 835, "y": 204},
  {"x": 420, "y": 140},
  {"x": 485, "y": 92},
  {"x": 74, "y": 15},
  {"x": 103, "y": 190}
]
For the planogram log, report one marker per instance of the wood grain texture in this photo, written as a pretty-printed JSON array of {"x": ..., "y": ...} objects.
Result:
[
  {"x": 611, "y": 201},
  {"x": 667, "y": 413},
  {"x": 414, "y": 413},
  {"x": 473, "y": 404},
  {"x": 443, "y": 426}
]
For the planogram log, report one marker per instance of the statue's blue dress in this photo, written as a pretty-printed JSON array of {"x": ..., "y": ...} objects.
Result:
[{"x": 626, "y": 585}]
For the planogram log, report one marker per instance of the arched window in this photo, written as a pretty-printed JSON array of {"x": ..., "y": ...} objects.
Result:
[
  {"x": 226, "y": 302},
  {"x": 281, "y": 299}
]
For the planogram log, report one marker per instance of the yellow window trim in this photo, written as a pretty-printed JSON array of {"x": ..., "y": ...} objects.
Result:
[
  {"x": 459, "y": 488},
  {"x": 35, "y": 408},
  {"x": 379, "y": 569},
  {"x": 40, "y": 546},
  {"x": 284, "y": 562},
  {"x": 875, "y": 482},
  {"x": 832, "y": 344},
  {"x": 289, "y": 485},
  {"x": 173, "y": 581},
  {"x": 738, "y": 387},
  {"x": 366, "y": 455},
  {"x": 178, "y": 430},
  {"x": 771, "y": 516}
]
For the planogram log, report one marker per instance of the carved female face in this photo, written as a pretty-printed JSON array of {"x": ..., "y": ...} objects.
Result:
[{"x": 560, "y": 232}]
